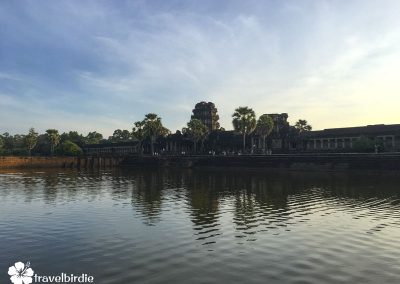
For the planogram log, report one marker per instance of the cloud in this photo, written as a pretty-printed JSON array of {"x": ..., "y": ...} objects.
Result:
[{"x": 101, "y": 65}]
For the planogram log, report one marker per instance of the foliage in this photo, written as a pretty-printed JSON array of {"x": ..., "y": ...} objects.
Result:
[
  {"x": 302, "y": 126},
  {"x": 165, "y": 132},
  {"x": 244, "y": 122},
  {"x": 73, "y": 136},
  {"x": 93, "y": 138},
  {"x": 152, "y": 128},
  {"x": 54, "y": 138},
  {"x": 138, "y": 133},
  {"x": 31, "y": 140},
  {"x": 69, "y": 148},
  {"x": 196, "y": 130},
  {"x": 264, "y": 127},
  {"x": 120, "y": 135},
  {"x": 1, "y": 144},
  {"x": 13, "y": 145}
]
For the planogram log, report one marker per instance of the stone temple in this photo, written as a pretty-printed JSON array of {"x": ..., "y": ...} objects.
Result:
[
  {"x": 207, "y": 113},
  {"x": 283, "y": 139}
]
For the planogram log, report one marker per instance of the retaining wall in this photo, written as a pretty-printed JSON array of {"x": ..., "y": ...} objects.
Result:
[{"x": 38, "y": 162}]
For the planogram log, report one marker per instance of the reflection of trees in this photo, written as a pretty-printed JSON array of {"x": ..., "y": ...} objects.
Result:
[
  {"x": 50, "y": 184},
  {"x": 121, "y": 185},
  {"x": 203, "y": 198},
  {"x": 258, "y": 200},
  {"x": 202, "y": 194},
  {"x": 260, "y": 204},
  {"x": 147, "y": 194}
]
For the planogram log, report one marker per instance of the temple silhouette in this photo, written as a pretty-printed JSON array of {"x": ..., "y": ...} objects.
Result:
[{"x": 284, "y": 138}]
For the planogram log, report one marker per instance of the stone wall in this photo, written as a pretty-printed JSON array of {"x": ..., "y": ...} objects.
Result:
[
  {"x": 293, "y": 162},
  {"x": 38, "y": 162}
]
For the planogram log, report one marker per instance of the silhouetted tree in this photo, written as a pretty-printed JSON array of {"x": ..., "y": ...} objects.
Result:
[
  {"x": 54, "y": 139},
  {"x": 120, "y": 135},
  {"x": 138, "y": 133},
  {"x": 244, "y": 122},
  {"x": 264, "y": 127},
  {"x": 196, "y": 130},
  {"x": 31, "y": 140},
  {"x": 153, "y": 128},
  {"x": 93, "y": 137},
  {"x": 302, "y": 126}
]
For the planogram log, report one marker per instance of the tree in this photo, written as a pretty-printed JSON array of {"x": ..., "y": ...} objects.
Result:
[
  {"x": 153, "y": 128},
  {"x": 120, "y": 135},
  {"x": 196, "y": 130},
  {"x": 31, "y": 140},
  {"x": 244, "y": 122},
  {"x": 1, "y": 144},
  {"x": 73, "y": 136},
  {"x": 138, "y": 133},
  {"x": 264, "y": 127},
  {"x": 14, "y": 145},
  {"x": 54, "y": 139},
  {"x": 93, "y": 138},
  {"x": 69, "y": 148},
  {"x": 7, "y": 141},
  {"x": 302, "y": 126}
]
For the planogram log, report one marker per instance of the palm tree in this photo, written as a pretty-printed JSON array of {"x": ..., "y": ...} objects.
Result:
[
  {"x": 31, "y": 139},
  {"x": 264, "y": 127},
  {"x": 153, "y": 128},
  {"x": 54, "y": 138},
  {"x": 302, "y": 126},
  {"x": 138, "y": 133},
  {"x": 244, "y": 122},
  {"x": 196, "y": 130}
]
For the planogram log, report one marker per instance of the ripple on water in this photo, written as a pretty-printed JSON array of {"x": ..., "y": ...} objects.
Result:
[{"x": 180, "y": 226}]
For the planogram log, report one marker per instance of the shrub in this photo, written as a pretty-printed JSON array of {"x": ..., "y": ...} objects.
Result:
[{"x": 69, "y": 148}]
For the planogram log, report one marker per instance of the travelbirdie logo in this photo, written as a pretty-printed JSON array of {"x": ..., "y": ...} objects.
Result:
[
  {"x": 23, "y": 274},
  {"x": 20, "y": 273}
]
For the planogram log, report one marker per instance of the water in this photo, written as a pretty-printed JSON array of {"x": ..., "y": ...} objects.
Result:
[{"x": 202, "y": 226}]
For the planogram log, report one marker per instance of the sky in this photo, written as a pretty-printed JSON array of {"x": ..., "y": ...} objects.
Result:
[{"x": 102, "y": 65}]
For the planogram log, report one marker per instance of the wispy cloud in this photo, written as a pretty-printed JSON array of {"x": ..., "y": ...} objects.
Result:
[{"x": 103, "y": 65}]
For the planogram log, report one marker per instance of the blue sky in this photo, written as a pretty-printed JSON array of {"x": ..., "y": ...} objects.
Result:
[{"x": 102, "y": 65}]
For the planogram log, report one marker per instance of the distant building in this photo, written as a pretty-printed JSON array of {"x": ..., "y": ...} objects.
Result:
[
  {"x": 343, "y": 139},
  {"x": 207, "y": 113},
  {"x": 120, "y": 148},
  {"x": 284, "y": 138}
]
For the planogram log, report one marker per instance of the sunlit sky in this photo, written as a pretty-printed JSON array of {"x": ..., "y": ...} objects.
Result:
[{"x": 102, "y": 65}]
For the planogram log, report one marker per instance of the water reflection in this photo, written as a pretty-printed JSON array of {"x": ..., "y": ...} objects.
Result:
[
  {"x": 147, "y": 195},
  {"x": 257, "y": 200},
  {"x": 296, "y": 222}
]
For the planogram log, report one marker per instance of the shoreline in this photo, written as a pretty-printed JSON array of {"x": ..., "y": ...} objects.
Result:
[
  {"x": 303, "y": 162},
  {"x": 12, "y": 162}
]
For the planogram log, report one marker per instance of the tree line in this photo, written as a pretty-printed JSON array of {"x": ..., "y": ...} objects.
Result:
[
  {"x": 47, "y": 144},
  {"x": 150, "y": 128}
]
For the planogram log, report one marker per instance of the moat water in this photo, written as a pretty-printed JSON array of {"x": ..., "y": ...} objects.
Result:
[{"x": 202, "y": 226}]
